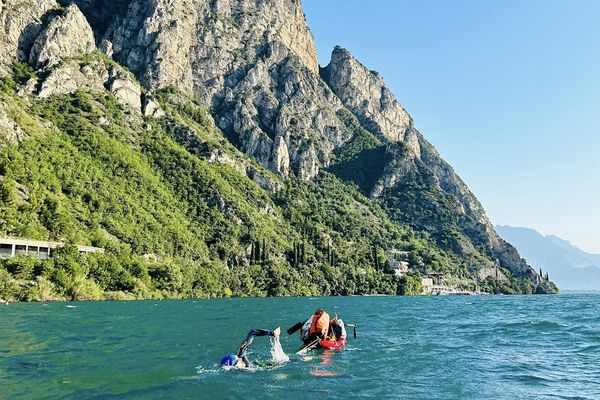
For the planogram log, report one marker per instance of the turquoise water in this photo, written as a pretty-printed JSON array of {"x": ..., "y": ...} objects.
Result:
[{"x": 503, "y": 347}]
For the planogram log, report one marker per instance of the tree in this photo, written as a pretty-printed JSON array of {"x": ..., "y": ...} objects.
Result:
[
  {"x": 8, "y": 216},
  {"x": 264, "y": 255},
  {"x": 526, "y": 286},
  {"x": 54, "y": 217},
  {"x": 410, "y": 285}
]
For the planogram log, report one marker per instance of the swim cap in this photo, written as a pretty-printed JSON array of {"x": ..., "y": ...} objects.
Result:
[{"x": 229, "y": 360}]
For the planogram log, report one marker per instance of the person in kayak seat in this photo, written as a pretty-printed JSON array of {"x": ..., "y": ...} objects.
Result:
[
  {"x": 239, "y": 360},
  {"x": 337, "y": 328},
  {"x": 316, "y": 327}
]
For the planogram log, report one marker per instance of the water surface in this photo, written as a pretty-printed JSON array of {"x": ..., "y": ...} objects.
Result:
[{"x": 497, "y": 347}]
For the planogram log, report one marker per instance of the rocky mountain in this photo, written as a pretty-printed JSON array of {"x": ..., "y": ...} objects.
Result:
[
  {"x": 570, "y": 267},
  {"x": 253, "y": 66},
  {"x": 415, "y": 168}
]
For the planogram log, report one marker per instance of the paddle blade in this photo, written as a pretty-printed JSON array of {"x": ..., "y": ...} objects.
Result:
[
  {"x": 354, "y": 327},
  {"x": 294, "y": 329}
]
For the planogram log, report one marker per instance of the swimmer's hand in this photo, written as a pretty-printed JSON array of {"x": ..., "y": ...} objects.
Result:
[{"x": 277, "y": 332}]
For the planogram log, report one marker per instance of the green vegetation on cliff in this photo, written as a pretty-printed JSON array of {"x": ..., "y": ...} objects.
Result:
[
  {"x": 175, "y": 222},
  {"x": 172, "y": 202}
]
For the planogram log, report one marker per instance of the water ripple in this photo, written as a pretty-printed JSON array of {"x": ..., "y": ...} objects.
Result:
[{"x": 505, "y": 347}]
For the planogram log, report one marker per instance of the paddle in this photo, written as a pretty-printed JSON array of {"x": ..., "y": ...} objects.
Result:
[
  {"x": 308, "y": 347},
  {"x": 353, "y": 326},
  {"x": 293, "y": 329}
]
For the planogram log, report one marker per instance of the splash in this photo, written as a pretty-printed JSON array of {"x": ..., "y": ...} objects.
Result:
[{"x": 278, "y": 356}]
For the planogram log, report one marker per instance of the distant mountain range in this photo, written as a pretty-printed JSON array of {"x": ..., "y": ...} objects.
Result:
[{"x": 570, "y": 267}]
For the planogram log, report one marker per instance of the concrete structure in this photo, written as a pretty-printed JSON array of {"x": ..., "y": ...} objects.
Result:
[
  {"x": 397, "y": 260},
  {"x": 427, "y": 284},
  {"x": 401, "y": 268},
  {"x": 436, "y": 277},
  {"x": 433, "y": 284},
  {"x": 41, "y": 249}
]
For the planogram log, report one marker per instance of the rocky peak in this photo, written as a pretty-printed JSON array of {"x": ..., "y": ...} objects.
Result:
[
  {"x": 365, "y": 94},
  {"x": 195, "y": 44},
  {"x": 414, "y": 162},
  {"x": 64, "y": 38},
  {"x": 20, "y": 24},
  {"x": 253, "y": 62},
  {"x": 67, "y": 35}
]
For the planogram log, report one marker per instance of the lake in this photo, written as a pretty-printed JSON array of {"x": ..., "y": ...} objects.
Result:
[{"x": 467, "y": 347}]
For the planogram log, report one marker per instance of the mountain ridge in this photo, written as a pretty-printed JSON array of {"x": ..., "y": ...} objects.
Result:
[
  {"x": 571, "y": 267},
  {"x": 259, "y": 79}
]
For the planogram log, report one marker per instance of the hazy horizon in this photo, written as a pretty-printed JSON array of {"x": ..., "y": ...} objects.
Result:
[
  {"x": 507, "y": 92},
  {"x": 546, "y": 236}
]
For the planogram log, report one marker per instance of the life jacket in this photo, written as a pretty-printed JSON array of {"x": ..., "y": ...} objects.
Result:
[{"x": 320, "y": 325}]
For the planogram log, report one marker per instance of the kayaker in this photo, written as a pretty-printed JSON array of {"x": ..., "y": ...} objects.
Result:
[
  {"x": 239, "y": 359},
  {"x": 337, "y": 328},
  {"x": 316, "y": 327}
]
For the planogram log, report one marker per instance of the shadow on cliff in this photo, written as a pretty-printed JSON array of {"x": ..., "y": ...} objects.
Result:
[
  {"x": 101, "y": 14},
  {"x": 365, "y": 169},
  {"x": 31, "y": 32}
]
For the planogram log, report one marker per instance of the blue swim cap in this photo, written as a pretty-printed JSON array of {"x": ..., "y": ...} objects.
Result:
[{"x": 229, "y": 360}]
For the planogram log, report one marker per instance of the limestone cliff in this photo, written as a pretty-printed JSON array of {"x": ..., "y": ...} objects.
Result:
[
  {"x": 20, "y": 23},
  {"x": 253, "y": 64},
  {"x": 416, "y": 165},
  {"x": 364, "y": 93},
  {"x": 65, "y": 36}
]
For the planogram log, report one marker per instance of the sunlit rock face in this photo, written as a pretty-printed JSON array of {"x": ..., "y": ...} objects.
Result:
[
  {"x": 254, "y": 63},
  {"x": 67, "y": 35},
  {"x": 20, "y": 24}
]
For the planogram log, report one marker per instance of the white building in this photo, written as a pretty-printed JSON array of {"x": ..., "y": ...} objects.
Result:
[
  {"x": 41, "y": 249},
  {"x": 397, "y": 264}
]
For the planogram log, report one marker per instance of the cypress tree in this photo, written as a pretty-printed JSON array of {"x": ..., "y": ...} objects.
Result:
[
  {"x": 375, "y": 258},
  {"x": 303, "y": 253},
  {"x": 257, "y": 252}
]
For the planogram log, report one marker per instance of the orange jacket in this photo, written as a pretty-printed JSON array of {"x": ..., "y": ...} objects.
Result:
[{"x": 320, "y": 324}]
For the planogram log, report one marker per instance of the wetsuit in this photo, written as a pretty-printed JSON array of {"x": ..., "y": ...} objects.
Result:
[{"x": 241, "y": 353}]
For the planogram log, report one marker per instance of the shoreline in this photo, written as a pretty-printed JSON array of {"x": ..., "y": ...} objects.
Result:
[{"x": 482, "y": 294}]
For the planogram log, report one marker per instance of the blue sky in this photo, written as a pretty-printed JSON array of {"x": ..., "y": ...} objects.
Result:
[{"x": 508, "y": 92}]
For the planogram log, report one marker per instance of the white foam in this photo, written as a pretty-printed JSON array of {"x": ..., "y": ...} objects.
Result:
[
  {"x": 278, "y": 356},
  {"x": 280, "y": 377},
  {"x": 201, "y": 370}
]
